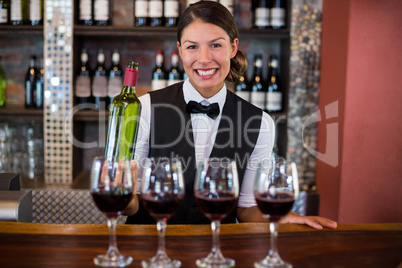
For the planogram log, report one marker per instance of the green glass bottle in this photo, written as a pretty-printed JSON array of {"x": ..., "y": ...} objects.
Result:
[
  {"x": 3, "y": 85},
  {"x": 124, "y": 116}
]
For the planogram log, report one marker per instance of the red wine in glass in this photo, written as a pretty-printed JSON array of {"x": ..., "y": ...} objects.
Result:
[
  {"x": 112, "y": 201},
  {"x": 276, "y": 205},
  {"x": 215, "y": 205},
  {"x": 162, "y": 205}
]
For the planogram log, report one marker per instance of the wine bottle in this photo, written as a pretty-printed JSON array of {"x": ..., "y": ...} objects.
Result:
[
  {"x": 4, "y": 11},
  {"x": 36, "y": 12},
  {"x": 115, "y": 82},
  {"x": 39, "y": 85},
  {"x": 171, "y": 12},
  {"x": 99, "y": 82},
  {"x": 257, "y": 95},
  {"x": 124, "y": 115},
  {"x": 277, "y": 14},
  {"x": 158, "y": 73},
  {"x": 141, "y": 13},
  {"x": 102, "y": 12},
  {"x": 83, "y": 81},
  {"x": 274, "y": 93},
  {"x": 3, "y": 86},
  {"x": 19, "y": 12},
  {"x": 174, "y": 74},
  {"x": 242, "y": 88},
  {"x": 30, "y": 82},
  {"x": 260, "y": 13},
  {"x": 155, "y": 12},
  {"x": 86, "y": 12}
]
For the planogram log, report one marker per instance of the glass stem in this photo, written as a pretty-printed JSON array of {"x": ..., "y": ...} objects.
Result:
[
  {"x": 161, "y": 227},
  {"x": 215, "y": 227},
  {"x": 112, "y": 251},
  {"x": 273, "y": 228}
]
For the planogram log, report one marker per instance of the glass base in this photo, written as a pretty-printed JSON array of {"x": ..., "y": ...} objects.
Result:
[
  {"x": 215, "y": 261},
  {"x": 115, "y": 261},
  {"x": 164, "y": 262},
  {"x": 272, "y": 263}
]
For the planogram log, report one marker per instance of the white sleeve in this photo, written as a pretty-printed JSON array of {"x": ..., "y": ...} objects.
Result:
[
  {"x": 262, "y": 152},
  {"x": 142, "y": 143}
]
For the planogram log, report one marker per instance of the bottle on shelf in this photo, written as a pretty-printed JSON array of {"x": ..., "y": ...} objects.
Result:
[
  {"x": 260, "y": 13},
  {"x": 99, "y": 82},
  {"x": 155, "y": 12},
  {"x": 39, "y": 85},
  {"x": 86, "y": 12},
  {"x": 229, "y": 4},
  {"x": 174, "y": 74},
  {"x": 36, "y": 12},
  {"x": 19, "y": 12},
  {"x": 3, "y": 86},
  {"x": 30, "y": 82},
  {"x": 171, "y": 12},
  {"x": 102, "y": 12},
  {"x": 115, "y": 82},
  {"x": 83, "y": 80},
  {"x": 124, "y": 115},
  {"x": 278, "y": 14},
  {"x": 274, "y": 92},
  {"x": 4, "y": 11},
  {"x": 242, "y": 88},
  {"x": 141, "y": 13},
  {"x": 257, "y": 94},
  {"x": 158, "y": 73}
]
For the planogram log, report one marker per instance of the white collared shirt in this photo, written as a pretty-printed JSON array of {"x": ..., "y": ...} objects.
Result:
[{"x": 205, "y": 130}]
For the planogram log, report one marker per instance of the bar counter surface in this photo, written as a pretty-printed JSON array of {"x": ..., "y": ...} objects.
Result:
[{"x": 75, "y": 245}]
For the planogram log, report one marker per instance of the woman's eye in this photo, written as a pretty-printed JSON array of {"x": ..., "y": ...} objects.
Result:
[
  {"x": 216, "y": 45},
  {"x": 191, "y": 47}
]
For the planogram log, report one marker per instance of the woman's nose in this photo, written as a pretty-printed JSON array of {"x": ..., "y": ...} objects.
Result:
[{"x": 204, "y": 56}]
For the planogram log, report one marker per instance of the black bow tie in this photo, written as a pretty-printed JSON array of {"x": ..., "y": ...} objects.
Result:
[{"x": 211, "y": 110}]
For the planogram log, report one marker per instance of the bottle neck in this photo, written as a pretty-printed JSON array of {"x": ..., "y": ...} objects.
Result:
[{"x": 130, "y": 80}]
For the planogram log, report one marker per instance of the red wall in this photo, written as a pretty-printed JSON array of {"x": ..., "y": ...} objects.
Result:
[{"x": 362, "y": 69}]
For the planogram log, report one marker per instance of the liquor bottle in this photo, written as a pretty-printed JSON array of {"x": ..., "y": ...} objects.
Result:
[
  {"x": 102, "y": 12},
  {"x": 4, "y": 11},
  {"x": 19, "y": 12},
  {"x": 86, "y": 12},
  {"x": 277, "y": 14},
  {"x": 155, "y": 12},
  {"x": 36, "y": 12},
  {"x": 124, "y": 115},
  {"x": 257, "y": 94},
  {"x": 158, "y": 73},
  {"x": 174, "y": 74},
  {"x": 242, "y": 88},
  {"x": 115, "y": 82},
  {"x": 171, "y": 12},
  {"x": 99, "y": 82},
  {"x": 141, "y": 13},
  {"x": 30, "y": 83},
  {"x": 83, "y": 81},
  {"x": 3, "y": 86},
  {"x": 39, "y": 85},
  {"x": 229, "y": 4},
  {"x": 274, "y": 93},
  {"x": 260, "y": 13}
]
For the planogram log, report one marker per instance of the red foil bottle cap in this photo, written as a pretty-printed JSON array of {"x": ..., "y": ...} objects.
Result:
[{"x": 130, "y": 77}]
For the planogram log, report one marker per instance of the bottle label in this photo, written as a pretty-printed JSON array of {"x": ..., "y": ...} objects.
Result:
[
  {"x": 83, "y": 86},
  {"x": 85, "y": 10},
  {"x": 34, "y": 10},
  {"x": 115, "y": 84},
  {"x": 99, "y": 86},
  {"x": 155, "y": 9},
  {"x": 3, "y": 16},
  {"x": 278, "y": 17},
  {"x": 16, "y": 12},
  {"x": 101, "y": 10},
  {"x": 258, "y": 99},
  {"x": 158, "y": 84},
  {"x": 245, "y": 95},
  {"x": 171, "y": 8},
  {"x": 130, "y": 77},
  {"x": 261, "y": 17},
  {"x": 274, "y": 101},
  {"x": 141, "y": 8}
]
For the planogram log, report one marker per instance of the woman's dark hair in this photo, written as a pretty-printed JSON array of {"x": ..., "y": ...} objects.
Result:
[{"x": 215, "y": 13}]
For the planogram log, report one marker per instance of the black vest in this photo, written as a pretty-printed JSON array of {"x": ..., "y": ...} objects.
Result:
[{"x": 171, "y": 135}]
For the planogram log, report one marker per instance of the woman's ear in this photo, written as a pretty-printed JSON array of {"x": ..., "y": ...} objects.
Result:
[
  {"x": 235, "y": 46},
  {"x": 179, "y": 47}
]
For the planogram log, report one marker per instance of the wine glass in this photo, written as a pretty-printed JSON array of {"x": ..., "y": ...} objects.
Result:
[
  {"x": 111, "y": 189},
  {"x": 162, "y": 192},
  {"x": 216, "y": 191},
  {"x": 276, "y": 189}
]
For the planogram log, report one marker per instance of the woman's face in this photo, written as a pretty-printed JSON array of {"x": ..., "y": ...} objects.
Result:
[{"x": 206, "y": 51}]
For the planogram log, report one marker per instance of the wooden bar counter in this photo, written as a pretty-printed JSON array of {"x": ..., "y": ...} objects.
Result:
[{"x": 58, "y": 245}]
